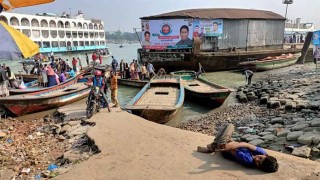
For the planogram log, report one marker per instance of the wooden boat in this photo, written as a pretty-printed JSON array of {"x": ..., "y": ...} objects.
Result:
[
  {"x": 32, "y": 78},
  {"x": 159, "y": 100},
  {"x": 38, "y": 89},
  {"x": 132, "y": 83},
  {"x": 45, "y": 99},
  {"x": 27, "y": 77},
  {"x": 202, "y": 90},
  {"x": 270, "y": 63}
]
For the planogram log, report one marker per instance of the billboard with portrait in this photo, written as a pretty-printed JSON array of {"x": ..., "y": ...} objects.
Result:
[
  {"x": 316, "y": 44},
  {"x": 167, "y": 34},
  {"x": 316, "y": 38},
  {"x": 210, "y": 28}
]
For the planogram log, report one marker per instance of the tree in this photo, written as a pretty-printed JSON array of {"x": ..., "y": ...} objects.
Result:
[{"x": 122, "y": 36}]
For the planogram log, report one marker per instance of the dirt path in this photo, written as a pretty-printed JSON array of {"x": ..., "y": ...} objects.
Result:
[{"x": 133, "y": 148}]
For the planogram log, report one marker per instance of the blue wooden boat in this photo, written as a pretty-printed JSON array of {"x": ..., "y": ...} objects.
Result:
[
  {"x": 199, "y": 89},
  {"x": 159, "y": 100}
]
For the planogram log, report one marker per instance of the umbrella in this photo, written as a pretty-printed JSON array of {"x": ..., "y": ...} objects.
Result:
[
  {"x": 10, "y": 4},
  {"x": 14, "y": 44}
]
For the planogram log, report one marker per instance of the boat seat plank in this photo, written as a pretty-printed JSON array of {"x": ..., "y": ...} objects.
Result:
[{"x": 166, "y": 96}]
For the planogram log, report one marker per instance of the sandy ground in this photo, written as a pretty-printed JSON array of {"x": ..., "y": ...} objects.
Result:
[{"x": 133, "y": 148}]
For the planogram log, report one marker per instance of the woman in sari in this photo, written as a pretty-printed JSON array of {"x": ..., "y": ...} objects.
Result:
[{"x": 51, "y": 77}]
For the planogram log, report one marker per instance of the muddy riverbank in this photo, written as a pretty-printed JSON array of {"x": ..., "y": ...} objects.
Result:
[
  {"x": 43, "y": 147},
  {"x": 280, "y": 111}
]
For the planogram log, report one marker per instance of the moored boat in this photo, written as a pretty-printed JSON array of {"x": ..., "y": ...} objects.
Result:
[
  {"x": 132, "y": 83},
  {"x": 43, "y": 100},
  {"x": 38, "y": 89},
  {"x": 270, "y": 63},
  {"x": 202, "y": 90},
  {"x": 159, "y": 100}
]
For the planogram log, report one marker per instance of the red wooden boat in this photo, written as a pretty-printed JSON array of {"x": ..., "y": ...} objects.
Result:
[{"x": 45, "y": 99}]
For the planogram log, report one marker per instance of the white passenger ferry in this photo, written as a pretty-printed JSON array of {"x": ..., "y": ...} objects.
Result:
[
  {"x": 296, "y": 32},
  {"x": 59, "y": 34}
]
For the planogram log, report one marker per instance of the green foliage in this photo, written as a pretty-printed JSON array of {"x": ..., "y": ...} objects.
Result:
[{"x": 122, "y": 36}]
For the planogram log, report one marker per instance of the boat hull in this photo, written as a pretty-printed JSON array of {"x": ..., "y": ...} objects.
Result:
[
  {"x": 132, "y": 83},
  {"x": 162, "y": 103},
  {"x": 201, "y": 90},
  {"x": 219, "y": 61},
  {"x": 19, "y": 107},
  {"x": 154, "y": 115},
  {"x": 268, "y": 65},
  {"x": 212, "y": 99},
  {"x": 53, "y": 88}
]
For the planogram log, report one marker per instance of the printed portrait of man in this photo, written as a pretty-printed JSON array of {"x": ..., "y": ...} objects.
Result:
[
  {"x": 215, "y": 27},
  {"x": 184, "y": 35},
  {"x": 146, "y": 38},
  {"x": 196, "y": 31}
]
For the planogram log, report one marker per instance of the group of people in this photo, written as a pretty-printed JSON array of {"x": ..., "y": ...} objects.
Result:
[
  {"x": 58, "y": 71},
  {"x": 134, "y": 71},
  {"x": 96, "y": 57}
]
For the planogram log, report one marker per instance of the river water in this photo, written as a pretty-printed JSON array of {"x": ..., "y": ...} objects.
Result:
[{"x": 190, "y": 110}]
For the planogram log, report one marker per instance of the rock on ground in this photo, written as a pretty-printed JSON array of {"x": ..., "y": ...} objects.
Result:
[{"x": 302, "y": 151}]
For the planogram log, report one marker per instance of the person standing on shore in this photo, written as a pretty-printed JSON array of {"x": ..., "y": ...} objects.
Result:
[
  {"x": 80, "y": 63},
  {"x": 25, "y": 68},
  {"x": 136, "y": 70},
  {"x": 100, "y": 58},
  {"x": 143, "y": 72},
  {"x": 151, "y": 70},
  {"x": 4, "y": 89},
  {"x": 249, "y": 75},
  {"x": 122, "y": 66},
  {"x": 114, "y": 65},
  {"x": 74, "y": 64},
  {"x": 241, "y": 152},
  {"x": 114, "y": 89},
  {"x": 94, "y": 58},
  {"x": 51, "y": 77},
  {"x": 127, "y": 70},
  {"x": 87, "y": 59}
]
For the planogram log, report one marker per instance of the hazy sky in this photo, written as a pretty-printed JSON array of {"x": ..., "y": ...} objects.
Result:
[{"x": 124, "y": 14}]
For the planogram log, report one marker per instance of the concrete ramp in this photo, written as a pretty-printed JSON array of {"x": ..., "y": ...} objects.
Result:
[{"x": 133, "y": 148}]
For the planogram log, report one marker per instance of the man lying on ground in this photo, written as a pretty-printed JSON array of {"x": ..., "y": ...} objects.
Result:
[{"x": 244, "y": 153}]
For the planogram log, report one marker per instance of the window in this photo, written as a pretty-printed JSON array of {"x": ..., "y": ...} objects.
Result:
[
  {"x": 46, "y": 44},
  {"x": 14, "y": 21},
  {"x": 25, "y": 22},
  {"x": 63, "y": 44},
  {"x": 53, "y": 24},
  {"x": 35, "y": 23},
  {"x": 44, "y": 23},
  {"x": 55, "y": 44}
]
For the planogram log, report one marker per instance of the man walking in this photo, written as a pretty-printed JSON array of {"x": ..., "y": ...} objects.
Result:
[{"x": 114, "y": 89}]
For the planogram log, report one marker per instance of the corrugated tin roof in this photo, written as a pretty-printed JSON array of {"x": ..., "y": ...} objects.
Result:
[{"x": 214, "y": 13}]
